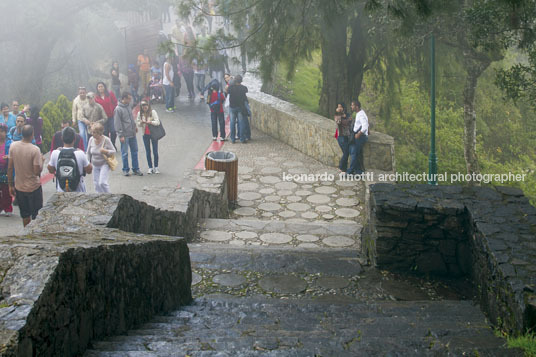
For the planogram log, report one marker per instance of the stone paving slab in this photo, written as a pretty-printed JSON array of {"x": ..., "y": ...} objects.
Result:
[
  {"x": 243, "y": 232},
  {"x": 272, "y": 185}
]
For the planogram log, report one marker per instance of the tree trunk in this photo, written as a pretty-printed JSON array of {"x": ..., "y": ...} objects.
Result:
[
  {"x": 474, "y": 69},
  {"x": 342, "y": 63},
  {"x": 334, "y": 70},
  {"x": 32, "y": 69}
]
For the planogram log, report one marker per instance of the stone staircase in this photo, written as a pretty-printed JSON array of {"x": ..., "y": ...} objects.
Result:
[
  {"x": 275, "y": 301},
  {"x": 226, "y": 326},
  {"x": 284, "y": 277}
]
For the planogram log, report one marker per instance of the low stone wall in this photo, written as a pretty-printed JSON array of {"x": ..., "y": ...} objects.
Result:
[
  {"x": 452, "y": 230},
  {"x": 60, "y": 291},
  {"x": 156, "y": 210},
  {"x": 313, "y": 134},
  {"x": 78, "y": 274}
]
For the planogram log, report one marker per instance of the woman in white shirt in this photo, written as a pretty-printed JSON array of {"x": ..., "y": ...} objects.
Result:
[
  {"x": 147, "y": 118},
  {"x": 98, "y": 147}
]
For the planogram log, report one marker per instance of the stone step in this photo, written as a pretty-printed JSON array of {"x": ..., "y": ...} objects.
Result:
[
  {"x": 262, "y": 326},
  {"x": 336, "y": 262},
  {"x": 281, "y": 233}
]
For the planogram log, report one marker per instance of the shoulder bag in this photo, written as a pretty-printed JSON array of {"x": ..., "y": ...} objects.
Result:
[
  {"x": 157, "y": 131},
  {"x": 110, "y": 160}
]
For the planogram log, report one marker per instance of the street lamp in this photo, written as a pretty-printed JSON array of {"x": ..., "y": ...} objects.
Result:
[{"x": 432, "y": 160}]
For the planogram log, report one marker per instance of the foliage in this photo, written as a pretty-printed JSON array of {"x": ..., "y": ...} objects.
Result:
[
  {"x": 304, "y": 88},
  {"x": 526, "y": 342},
  {"x": 65, "y": 106},
  {"x": 52, "y": 118}
]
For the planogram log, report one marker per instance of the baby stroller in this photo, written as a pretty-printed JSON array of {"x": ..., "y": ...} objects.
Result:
[{"x": 156, "y": 90}]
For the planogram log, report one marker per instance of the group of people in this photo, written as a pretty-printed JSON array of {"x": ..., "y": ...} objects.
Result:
[
  {"x": 351, "y": 134},
  {"x": 18, "y": 128},
  {"x": 230, "y": 97}
]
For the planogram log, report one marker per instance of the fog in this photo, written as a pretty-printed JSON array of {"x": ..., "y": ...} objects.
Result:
[{"x": 52, "y": 47}]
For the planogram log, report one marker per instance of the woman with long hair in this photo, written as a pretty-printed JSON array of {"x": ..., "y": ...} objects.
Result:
[
  {"x": 116, "y": 82},
  {"x": 6, "y": 207},
  {"x": 108, "y": 101},
  {"x": 36, "y": 121},
  {"x": 344, "y": 138},
  {"x": 147, "y": 118},
  {"x": 100, "y": 146}
]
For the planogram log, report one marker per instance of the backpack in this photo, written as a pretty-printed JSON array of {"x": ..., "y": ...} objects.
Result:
[{"x": 67, "y": 172}]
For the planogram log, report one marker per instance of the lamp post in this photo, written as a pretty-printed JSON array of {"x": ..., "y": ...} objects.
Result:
[{"x": 432, "y": 160}]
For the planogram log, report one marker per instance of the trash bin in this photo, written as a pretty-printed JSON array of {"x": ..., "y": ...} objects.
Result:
[{"x": 227, "y": 162}]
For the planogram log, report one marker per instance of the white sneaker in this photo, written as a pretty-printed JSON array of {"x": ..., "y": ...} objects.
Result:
[
  {"x": 150, "y": 171},
  {"x": 156, "y": 171},
  {"x": 9, "y": 214},
  {"x": 2, "y": 213}
]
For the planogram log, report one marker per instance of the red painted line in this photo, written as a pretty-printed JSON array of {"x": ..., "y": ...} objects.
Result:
[
  {"x": 214, "y": 146},
  {"x": 46, "y": 178}
]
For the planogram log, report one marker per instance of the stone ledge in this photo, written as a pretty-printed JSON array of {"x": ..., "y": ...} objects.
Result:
[
  {"x": 487, "y": 233},
  {"x": 313, "y": 134},
  {"x": 60, "y": 291}
]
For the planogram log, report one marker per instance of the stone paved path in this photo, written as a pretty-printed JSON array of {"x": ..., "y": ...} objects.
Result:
[{"x": 266, "y": 191}]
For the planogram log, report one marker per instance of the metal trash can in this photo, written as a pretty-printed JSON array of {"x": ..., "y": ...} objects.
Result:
[{"x": 225, "y": 161}]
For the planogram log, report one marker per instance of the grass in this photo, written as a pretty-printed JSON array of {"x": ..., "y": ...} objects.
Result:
[
  {"x": 304, "y": 87},
  {"x": 526, "y": 342}
]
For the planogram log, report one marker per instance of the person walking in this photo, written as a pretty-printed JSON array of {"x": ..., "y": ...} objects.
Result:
[
  {"x": 126, "y": 129},
  {"x": 144, "y": 70},
  {"x": 116, "y": 82},
  {"x": 215, "y": 102},
  {"x": 93, "y": 113},
  {"x": 99, "y": 148},
  {"x": 199, "y": 74},
  {"x": 360, "y": 133},
  {"x": 69, "y": 151},
  {"x": 188, "y": 75},
  {"x": 57, "y": 140},
  {"x": 6, "y": 117},
  {"x": 78, "y": 103},
  {"x": 148, "y": 119},
  {"x": 33, "y": 118},
  {"x": 15, "y": 133},
  {"x": 169, "y": 85},
  {"x": 25, "y": 158},
  {"x": 237, "y": 100},
  {"x": 6, "y": 206},
  {"x": 344, "y": 129},
  {"x": 108, "y": 101}
]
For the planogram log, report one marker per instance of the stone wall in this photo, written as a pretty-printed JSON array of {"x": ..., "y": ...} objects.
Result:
[
  {"x": 313, "y": 134},
  {"x": 486, "y": 233},
  {"x": 78, "y": 274}
]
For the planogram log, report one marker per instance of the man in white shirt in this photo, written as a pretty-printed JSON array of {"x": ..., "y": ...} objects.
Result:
[
  {"x": 84, "y": 166},
  {"x": 360, "y": 132}
]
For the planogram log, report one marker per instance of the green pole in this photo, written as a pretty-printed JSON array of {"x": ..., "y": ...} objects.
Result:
[{"x": 432, "y": 161}]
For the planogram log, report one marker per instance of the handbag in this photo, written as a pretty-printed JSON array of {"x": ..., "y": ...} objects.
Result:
[
  {"x": 110, "y": 160},
  {"x": 157, "y": 131}
]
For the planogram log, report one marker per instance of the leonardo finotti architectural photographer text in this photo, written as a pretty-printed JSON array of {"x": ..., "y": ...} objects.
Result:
[{"x": 454, "y": 178}]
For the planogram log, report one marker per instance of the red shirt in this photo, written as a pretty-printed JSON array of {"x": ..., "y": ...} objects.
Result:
[
  {"x": 214, "y": 97},
  {"x": 108, "y": 103}
]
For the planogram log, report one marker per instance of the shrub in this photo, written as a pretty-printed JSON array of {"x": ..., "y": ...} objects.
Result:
[
  {"x": 52, "y": 118},
  {"x": 65, "y": 106}
]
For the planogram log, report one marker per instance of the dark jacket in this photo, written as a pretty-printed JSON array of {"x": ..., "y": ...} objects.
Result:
[{"x": 124, "y": 122}]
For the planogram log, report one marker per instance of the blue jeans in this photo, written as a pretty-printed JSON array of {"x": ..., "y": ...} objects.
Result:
[
  {"x": 117, "y": 90},
  {"x": 218, "y": 118},
  {"x": 133, "y": 144},
  {"x": 147, "y": 143},
  {"x": 200, "y": 82},
  {"x": 170, "y": 97},
  {"x": 356, "y": 146},
  {"x": 237, "y": 118},
  {"x": 82, "y": 130},
  {"x": 344, "y": 143},
  {"x": 109, "y": 130}
]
